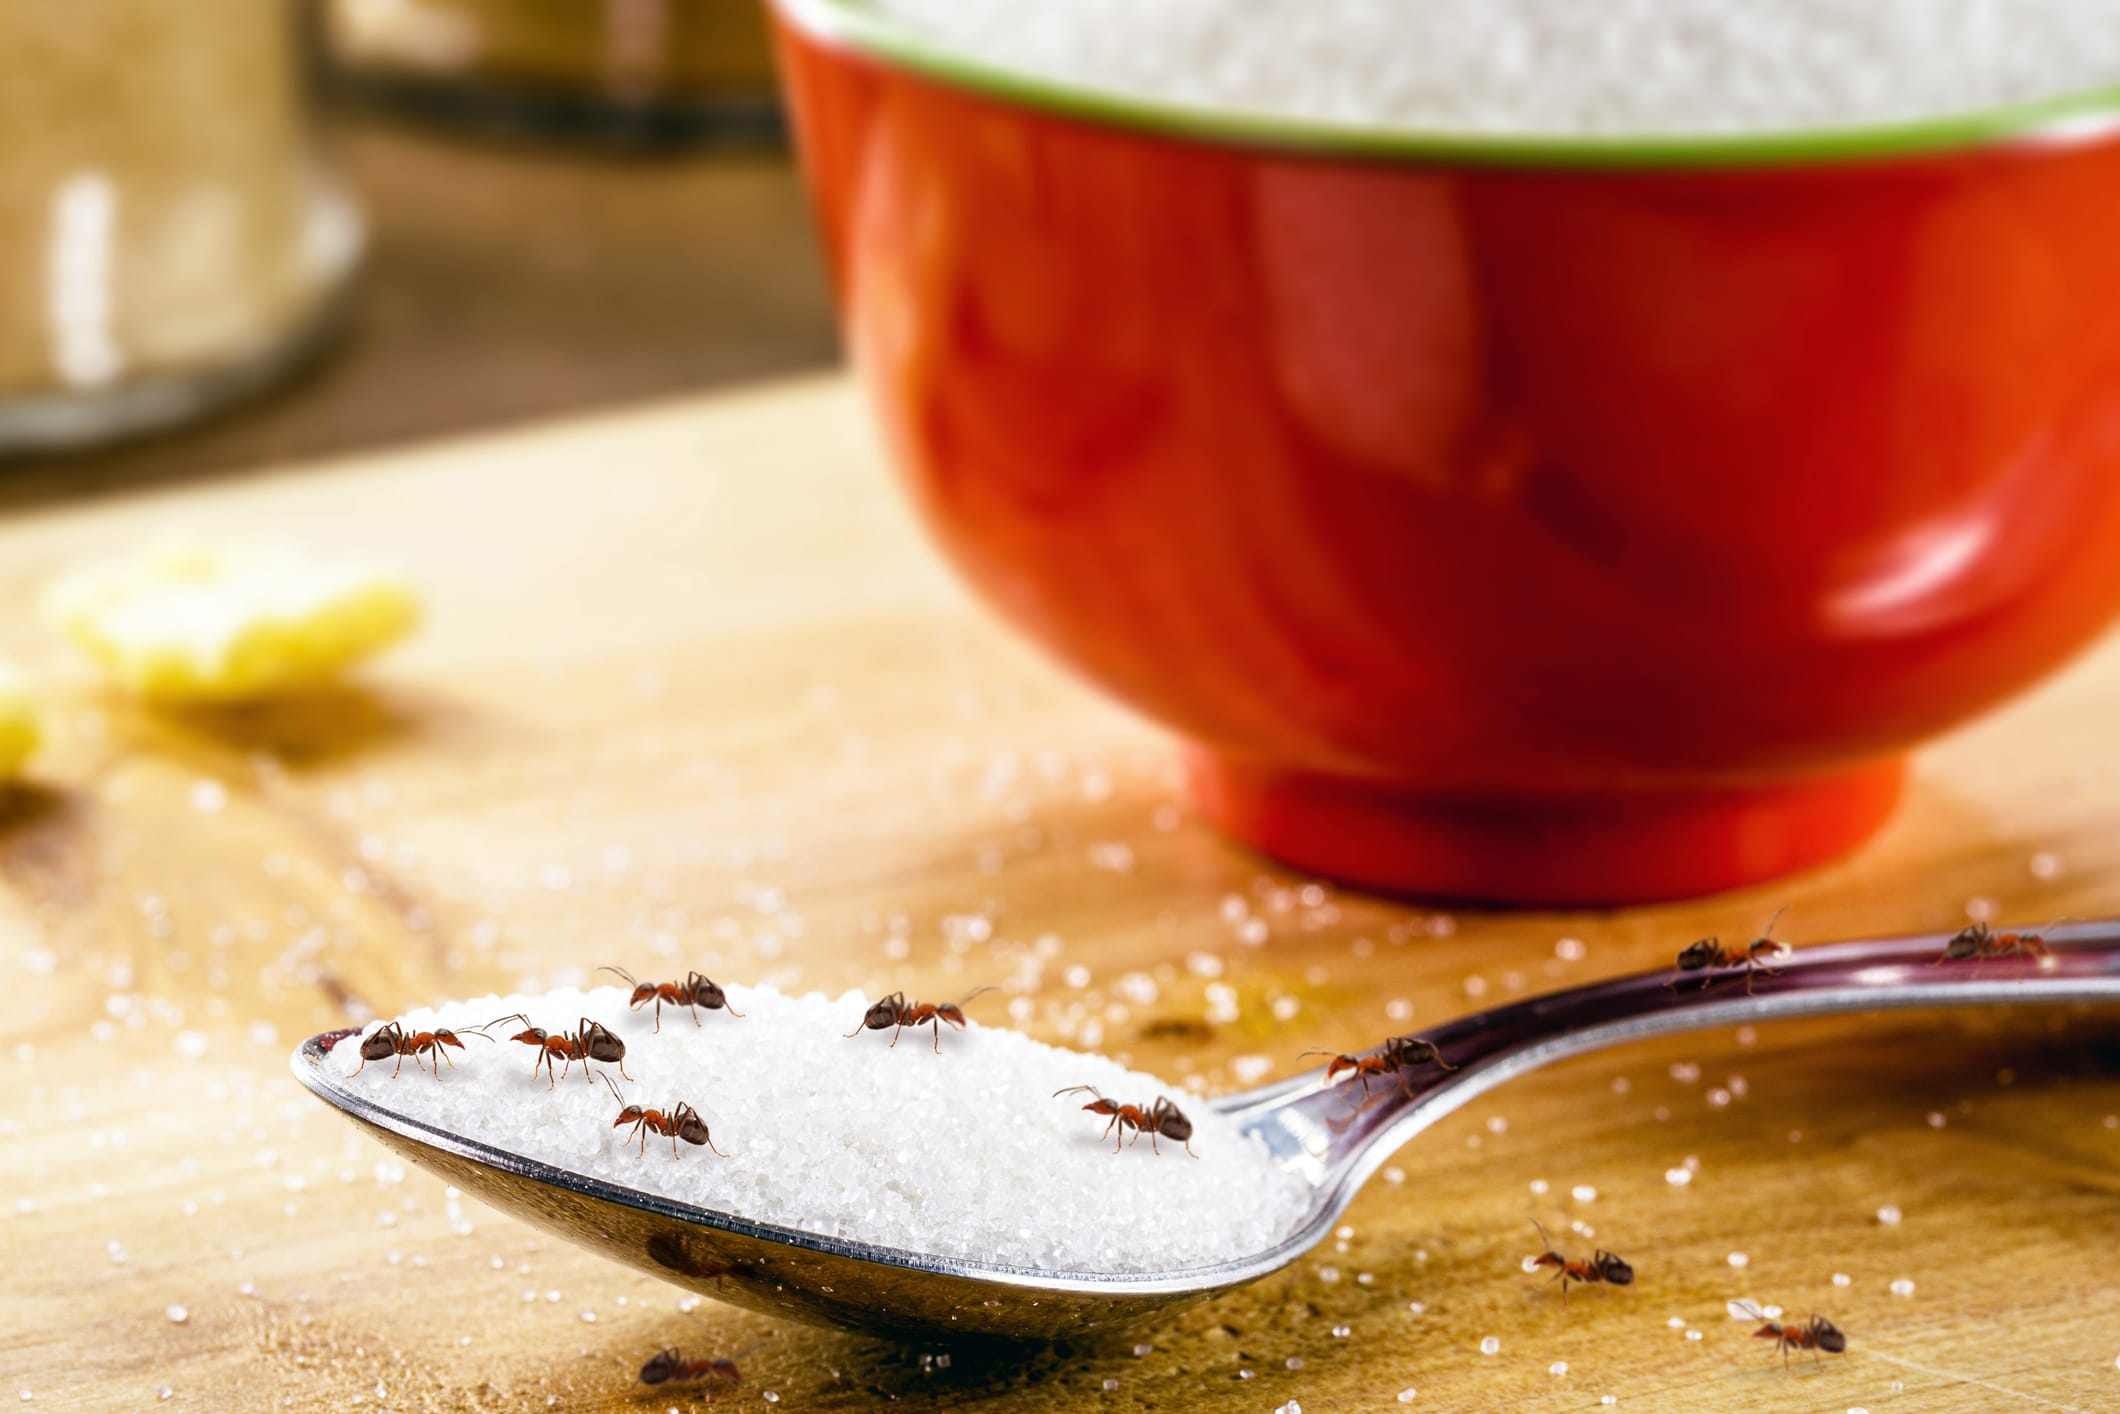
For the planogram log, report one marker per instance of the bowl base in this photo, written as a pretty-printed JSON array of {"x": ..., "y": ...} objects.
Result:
[{"x": 1612, "y": 847}]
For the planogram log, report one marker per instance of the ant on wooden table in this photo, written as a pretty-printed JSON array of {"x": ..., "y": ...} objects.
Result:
[
  {"x": 1603, "y": 1268},
  {"x": 1813, "y": 1335},
  {"x": 672, "y": 1364}
]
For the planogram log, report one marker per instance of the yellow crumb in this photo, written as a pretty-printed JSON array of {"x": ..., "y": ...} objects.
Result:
[
  {"x": 18, "y": 723},
  {"x": 192, "y": 622}
]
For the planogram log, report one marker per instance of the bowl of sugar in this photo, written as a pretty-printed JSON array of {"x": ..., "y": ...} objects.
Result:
[{"x": 1530, "y": 451}]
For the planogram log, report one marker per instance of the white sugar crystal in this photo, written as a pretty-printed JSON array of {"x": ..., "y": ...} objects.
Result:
[
  {"x": 963, "y": 1154},
  {"x": 1555, "y": 66}
]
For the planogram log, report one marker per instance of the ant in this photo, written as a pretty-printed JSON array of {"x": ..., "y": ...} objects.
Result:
[
  {"x": 1602, "y": 1267},
  {"x": 1394, "y": 1057},
  {"x": 1813, "y": 1335},
  {"x": 697, "y": 990},
  {"x": 671, "y": 1364},
  {"x": 1162, "y": 1118},
  {"x": 591, "y": 1041},
  {"x": 1710, "y": 953},
  {"x": 393, "y": 1040},
  {"x": 895, "y": 1010},
  {"x": 681, "y": 1122},
  {"x": 1980, "y": 942}
]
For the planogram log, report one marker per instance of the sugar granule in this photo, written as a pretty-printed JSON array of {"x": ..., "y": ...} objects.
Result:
[{"x": 964, "y": 1154}]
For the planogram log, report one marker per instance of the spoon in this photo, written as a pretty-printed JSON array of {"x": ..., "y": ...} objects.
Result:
[{"x": 1318, "y": 1131}]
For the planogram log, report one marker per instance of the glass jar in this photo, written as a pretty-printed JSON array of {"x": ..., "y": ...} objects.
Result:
[
  {"x": 168, "y": 237},
  {"x": 643, "y": 71}
]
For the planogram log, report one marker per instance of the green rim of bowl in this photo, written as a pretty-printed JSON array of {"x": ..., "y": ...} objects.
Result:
[{"x": 856, "y": 25}]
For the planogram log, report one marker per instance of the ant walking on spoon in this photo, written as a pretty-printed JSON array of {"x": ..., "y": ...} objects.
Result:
[
  {"x": 590, "y": 1041},
  {"x": 394, "y": 1040},
  {"x": 696, "y": 991},
  {"x": 1161, "y": 1118},
  {"x": 894, "y": 1010},
  {"x": 1709, "y": 954}
]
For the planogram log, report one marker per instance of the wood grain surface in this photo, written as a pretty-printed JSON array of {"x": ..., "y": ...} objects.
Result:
[{"x": 694, "y": 693}]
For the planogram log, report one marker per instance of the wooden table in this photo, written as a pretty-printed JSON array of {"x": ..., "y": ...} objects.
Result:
[{"x": 695, "y": 693}]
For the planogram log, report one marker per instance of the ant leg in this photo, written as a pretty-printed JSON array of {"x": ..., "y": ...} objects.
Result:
[
  {"x": 658, "y": 1016},
  {"x": 894, "y": 1037},
  {"x": 399, "y": 1066},
  {"x": 936, "y": 1026}
]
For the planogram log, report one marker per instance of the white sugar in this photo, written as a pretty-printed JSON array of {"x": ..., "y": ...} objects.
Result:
[
  {"x": 1553, "y": 66},
  {"x": 963, "y": 1154}
]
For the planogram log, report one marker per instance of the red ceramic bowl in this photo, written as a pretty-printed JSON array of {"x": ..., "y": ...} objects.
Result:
[{"x": 1522, "y": 520}]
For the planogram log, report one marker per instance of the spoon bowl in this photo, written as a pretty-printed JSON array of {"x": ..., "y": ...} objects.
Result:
[{"x": 1321, "y": 1131}]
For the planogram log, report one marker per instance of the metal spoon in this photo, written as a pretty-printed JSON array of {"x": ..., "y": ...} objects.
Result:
[{"x": 1316, "y": 1130}]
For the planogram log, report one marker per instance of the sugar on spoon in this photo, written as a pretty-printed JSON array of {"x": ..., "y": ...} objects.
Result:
[{"x": 1309, "y": 1127}]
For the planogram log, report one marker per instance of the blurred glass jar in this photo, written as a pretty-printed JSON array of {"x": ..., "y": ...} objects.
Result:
[
  {"x": 168, "y": 237},
  {"x": 632, "y": 71}
]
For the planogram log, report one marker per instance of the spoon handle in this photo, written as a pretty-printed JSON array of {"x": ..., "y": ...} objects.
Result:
[{"x": 1347, "y": 1138}]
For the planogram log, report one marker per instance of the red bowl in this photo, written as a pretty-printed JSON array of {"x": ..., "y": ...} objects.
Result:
[{"x": 1541, "y": 522}]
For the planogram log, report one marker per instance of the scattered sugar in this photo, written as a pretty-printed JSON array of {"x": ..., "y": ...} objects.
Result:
[
  {"x": 1490, "y": 1345},
  {"x": 963, "y": 1154},
  {"x": 1553, "y": 65}
]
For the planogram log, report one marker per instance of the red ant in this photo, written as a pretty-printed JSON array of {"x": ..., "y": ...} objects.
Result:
[
  {"x": 1602, "y": 1267},
  {"x": 592, "y": 1041},
  {"x": 697, "y": 990},
  {"x": 1394, "y": 1057},
  {"x": 671, "y": 1364},
  {"x": 895, "y": 1010},
  {"x": 392, "y": 1040},
  {"x": 1162, "y": 1118},
  {"x": 1813, "y": 1335},
  {"x": 681, "y": 1122},
  {"x": 1980, "y": 942},
  {"x": 1710, "y": 953}
]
